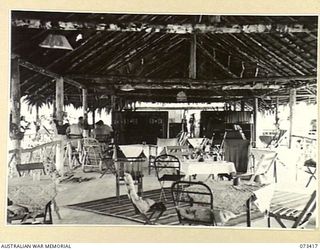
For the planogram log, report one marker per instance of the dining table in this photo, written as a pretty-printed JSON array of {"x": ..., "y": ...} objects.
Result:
[
  {"x": 192, "y": 167},
  {"x": 234, "y": 200},
  {"x": 33, "y": 194}
]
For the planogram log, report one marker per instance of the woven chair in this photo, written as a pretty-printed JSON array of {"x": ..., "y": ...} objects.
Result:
[
  {"x": 91, "y": 155},
  {"x": 147, "y": 208},
  {"x": 299, "y": 216},
  {"x": 167, "y": 169}
]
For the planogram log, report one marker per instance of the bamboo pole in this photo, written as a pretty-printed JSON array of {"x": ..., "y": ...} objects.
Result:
[
  {"x": 85, "y": 110},
  {"x": 255, "y": 119},
  {"x": 59, "y": 117},
  {"x": 292, "y": 102},
  {"x": 16, "y": 105}
]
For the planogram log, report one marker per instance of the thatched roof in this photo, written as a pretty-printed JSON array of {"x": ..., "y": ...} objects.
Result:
[{"x": 237, "y": 57}]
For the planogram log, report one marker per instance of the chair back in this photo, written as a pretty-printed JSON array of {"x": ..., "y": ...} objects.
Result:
[
  {"x": 179, "y": 151},
  {"x": 262, "y": 161},
  {"x": 27, "y": 167},
  {"x": 167, "y": 165},
  {"x": 236, "y": 151},
  {"x": 165, "y": 142},
  {"x": 307, "y": 211},
  {"x": 75, "y": 140},
  {"x": 132, "y": 194},
  {"x": 193, "y": 202},
  {"x": 92, "y": 153},
  {"x": 132, "y": 165}
]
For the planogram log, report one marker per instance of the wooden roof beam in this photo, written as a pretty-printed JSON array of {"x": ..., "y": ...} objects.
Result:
[
  {"x": 100, "y": 80},
  {"x": 48, "y": 73},
  {"x": 216, "y": 28}
]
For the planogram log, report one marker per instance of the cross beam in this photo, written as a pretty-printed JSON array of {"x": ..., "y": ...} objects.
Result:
[
  {"x": 101, "y": 81},
  {"x": 48, "y": 73},
  {"x": 217, "y": 28}
]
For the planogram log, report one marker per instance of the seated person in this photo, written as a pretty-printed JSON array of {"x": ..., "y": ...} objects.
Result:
[
  {"x": 61, "y": 126},
  {"x": 102, "y": 132},
  {"x": 75, "y": 130}
]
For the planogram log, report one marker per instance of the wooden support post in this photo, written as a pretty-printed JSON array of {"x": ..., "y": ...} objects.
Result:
[
  {"x": 193, "y": 58},
  {"x": 16, "y": 105},
  {"x": 93, "y": 116},
  {"x": 255, "y": 125},
  {"x": 59, "y": 116},
  {"x": 59, "y": 99},
  {"x": 37, "y": 119},
  {"x": 292, "y": 103},
  {"x": 234, "y": 106},
  {"x": 277, "y": 115},
  {"x": 242, "y": 105},
  {"x": 85, "y": 111}
]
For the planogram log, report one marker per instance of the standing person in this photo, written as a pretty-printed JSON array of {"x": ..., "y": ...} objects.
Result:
[{"x": 192, "y": 126}]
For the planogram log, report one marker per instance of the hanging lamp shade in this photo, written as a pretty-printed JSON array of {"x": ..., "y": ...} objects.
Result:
[
  {"x": 181, "y": 96},
  {"x": 54, "y": 41},
  {"x": 127, "y": 87}
]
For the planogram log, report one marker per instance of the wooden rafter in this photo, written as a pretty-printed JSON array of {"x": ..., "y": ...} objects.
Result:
[
  {"x": 216, "y": 62},
  {"x": 217, "y": 28},
  {"x": 48, "y": 73}
]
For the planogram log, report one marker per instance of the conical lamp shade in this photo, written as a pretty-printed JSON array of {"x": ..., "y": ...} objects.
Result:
[
  {"x": 127, "y": 87},
  {"x": 56, "y": 42},
  {"x": 181, "y": 96}
]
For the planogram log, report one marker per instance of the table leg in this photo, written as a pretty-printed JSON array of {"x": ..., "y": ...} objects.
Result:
[
  {"x": 56, "y": 208},
  {"x": 248, "y": 212}
]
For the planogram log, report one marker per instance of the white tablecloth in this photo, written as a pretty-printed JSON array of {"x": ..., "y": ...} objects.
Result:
[
  {"x": 134, "y": 150},
  {"x": 231, "y": 200},
  {"x": 192, "y": 167}
]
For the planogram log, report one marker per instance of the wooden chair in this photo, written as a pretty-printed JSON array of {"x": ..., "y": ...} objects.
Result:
[
  {"x": 193, "y": 202},
  {"x": 153, "y": 152},
  {"x": 74, "y": 148},
  {"x": 167, "y": 169},
  {"x": 147, "y": 208},
  {"x": 23, "y": 215},
  {"x": 311, "y": 166},
  {"x": 27, "y": 167},
  {"x": 299, "y": 217}
]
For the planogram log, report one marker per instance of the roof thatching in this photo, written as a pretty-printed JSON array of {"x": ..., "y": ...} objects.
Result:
[{"x": 237, "y": 57}]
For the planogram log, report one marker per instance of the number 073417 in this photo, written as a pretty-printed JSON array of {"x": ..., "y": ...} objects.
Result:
[{"x": 309, "y": 245}]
